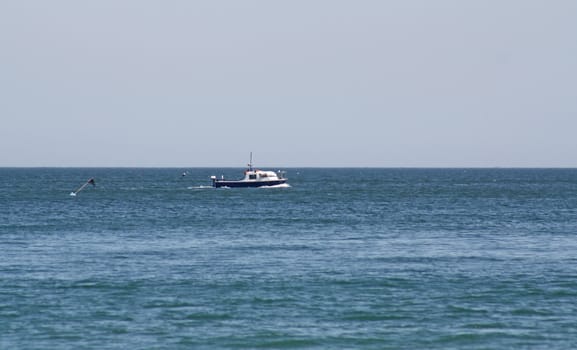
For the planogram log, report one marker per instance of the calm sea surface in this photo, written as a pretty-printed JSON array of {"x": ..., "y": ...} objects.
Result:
[{"x": 343, "y": 259}]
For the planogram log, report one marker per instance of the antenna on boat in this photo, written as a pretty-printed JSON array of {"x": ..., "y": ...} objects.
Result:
[{"x": 250, "y": 163}]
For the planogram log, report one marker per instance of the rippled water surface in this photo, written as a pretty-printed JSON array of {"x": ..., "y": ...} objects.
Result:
[{"x": 344, "y": 258}]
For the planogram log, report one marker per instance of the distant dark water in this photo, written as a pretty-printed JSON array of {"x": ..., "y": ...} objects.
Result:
[{"x": 345, "y": 258}]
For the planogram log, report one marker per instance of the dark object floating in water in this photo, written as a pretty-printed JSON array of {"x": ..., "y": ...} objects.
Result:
[{"x": 89, "y": 182}]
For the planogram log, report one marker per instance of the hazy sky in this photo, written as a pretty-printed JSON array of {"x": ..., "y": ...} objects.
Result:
[{"x": 444, "y": 83}]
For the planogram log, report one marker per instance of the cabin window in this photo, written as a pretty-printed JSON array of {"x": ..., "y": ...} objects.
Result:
[{"x": 252, "y": 176}]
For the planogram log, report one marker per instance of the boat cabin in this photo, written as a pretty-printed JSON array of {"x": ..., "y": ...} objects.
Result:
[{"x": 259, "y": 175}]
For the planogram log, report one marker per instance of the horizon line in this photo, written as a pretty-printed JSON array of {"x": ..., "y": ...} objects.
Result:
[{"x": 288, "y": 167}]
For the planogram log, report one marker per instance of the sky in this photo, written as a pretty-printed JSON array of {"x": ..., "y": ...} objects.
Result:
[{"x": 315, "y": 83}]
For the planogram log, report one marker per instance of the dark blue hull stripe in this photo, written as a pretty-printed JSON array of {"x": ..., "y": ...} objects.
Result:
[{"x": 222, "y": 183}]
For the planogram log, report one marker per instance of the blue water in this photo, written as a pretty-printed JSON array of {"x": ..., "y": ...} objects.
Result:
[{"x": 345, "y": 258}]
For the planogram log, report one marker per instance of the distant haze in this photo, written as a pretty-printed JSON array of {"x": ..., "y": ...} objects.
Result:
[{"x": 415, "y": 83}]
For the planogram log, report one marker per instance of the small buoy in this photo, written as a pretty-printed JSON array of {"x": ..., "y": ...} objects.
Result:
[{"x": 73, "y": 194}]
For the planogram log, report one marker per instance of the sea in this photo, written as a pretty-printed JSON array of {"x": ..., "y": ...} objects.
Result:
[{"x": 345, "y": 258}]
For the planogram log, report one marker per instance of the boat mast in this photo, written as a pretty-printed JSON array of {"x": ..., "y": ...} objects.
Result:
[{"x": 250, "y": 163}]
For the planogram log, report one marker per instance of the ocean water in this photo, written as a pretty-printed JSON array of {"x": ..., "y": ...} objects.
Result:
[{"x": 343, "y": 259}]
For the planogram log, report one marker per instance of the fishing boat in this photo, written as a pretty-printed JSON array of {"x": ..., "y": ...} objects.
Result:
[{"x": 252, "y": 178}]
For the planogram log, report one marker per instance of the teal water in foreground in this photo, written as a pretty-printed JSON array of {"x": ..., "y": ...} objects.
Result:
[{"x": 343, "y": 259}]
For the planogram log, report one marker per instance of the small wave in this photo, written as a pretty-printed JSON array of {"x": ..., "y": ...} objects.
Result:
[
  {"x": 277, "y": 186},
  {"x": 199, "y": 187}
]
